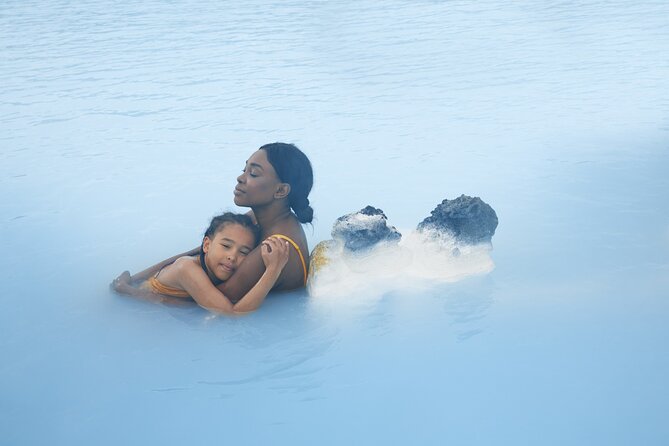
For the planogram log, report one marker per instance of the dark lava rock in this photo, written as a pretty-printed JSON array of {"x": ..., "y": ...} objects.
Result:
[
  {"x": 364, "y": 229},
  {"x": 469, "y": 220}
]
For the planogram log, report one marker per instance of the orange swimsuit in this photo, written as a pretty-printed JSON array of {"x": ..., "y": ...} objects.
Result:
[{"x": 153, "y": 284}]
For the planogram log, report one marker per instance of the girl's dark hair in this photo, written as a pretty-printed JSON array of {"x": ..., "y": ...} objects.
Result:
[
  {"x": 293, "y": 167},
  {"x": 221, "y": 221}
]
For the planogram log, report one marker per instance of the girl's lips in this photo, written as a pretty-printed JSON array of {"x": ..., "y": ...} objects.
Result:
[{"x": 227, "y": 268}]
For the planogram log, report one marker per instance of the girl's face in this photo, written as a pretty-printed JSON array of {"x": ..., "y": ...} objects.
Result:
[
  {"x": 258, "y": 182},
  {"x": 227, "y": 250}
]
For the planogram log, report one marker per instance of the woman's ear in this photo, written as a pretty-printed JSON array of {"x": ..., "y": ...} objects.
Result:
[
  {"x": 282, "y": 190},
  {"x": 205, "y": 244}
]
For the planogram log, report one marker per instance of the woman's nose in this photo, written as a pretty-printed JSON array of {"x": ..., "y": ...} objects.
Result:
[{"x": 240, "y": 178}]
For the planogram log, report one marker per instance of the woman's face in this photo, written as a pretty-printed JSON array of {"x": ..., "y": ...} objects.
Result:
[
  {"x": 227, "y": 249},
  {"x": 258, "y": 182}
]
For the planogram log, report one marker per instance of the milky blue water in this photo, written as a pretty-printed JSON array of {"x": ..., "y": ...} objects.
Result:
[{"x": 124, "y": 124}]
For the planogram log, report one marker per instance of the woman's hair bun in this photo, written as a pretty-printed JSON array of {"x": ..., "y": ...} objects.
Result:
[{"x": 304, "y": 212}]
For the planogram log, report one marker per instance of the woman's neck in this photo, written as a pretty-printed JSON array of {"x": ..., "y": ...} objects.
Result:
[{"x": 270, "y": 215}]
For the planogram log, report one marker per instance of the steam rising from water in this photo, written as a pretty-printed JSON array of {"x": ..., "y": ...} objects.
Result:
[{"x": 418, "y": 261}]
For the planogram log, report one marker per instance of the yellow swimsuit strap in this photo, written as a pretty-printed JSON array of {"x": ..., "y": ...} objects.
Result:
[{"x": 297, "y": 248}]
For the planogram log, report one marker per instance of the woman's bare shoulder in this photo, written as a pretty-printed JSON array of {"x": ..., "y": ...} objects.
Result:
[
  {"x": 294, "y": 272},
  {"x": 290, "y": 228},
  {"x": 295, "y": 232}
]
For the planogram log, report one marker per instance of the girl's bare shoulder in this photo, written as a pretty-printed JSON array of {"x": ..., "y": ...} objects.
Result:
[
  {"x": 182, "y": 265},
  {"x": 187, "y": 262}
]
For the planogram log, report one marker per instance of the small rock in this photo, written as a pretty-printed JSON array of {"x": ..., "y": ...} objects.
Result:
[{"x": 364, "y": 229}]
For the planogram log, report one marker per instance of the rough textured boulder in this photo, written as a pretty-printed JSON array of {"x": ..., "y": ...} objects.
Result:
[
  {"x": 362, "y": 230},
  {"x": 469, "y": 220}
]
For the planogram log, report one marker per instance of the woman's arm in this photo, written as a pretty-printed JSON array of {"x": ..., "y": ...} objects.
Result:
[
  {"x": 195, "y": 281},
  {"x": 152, "y": 270},
  {"x": 122, "y": 285}
]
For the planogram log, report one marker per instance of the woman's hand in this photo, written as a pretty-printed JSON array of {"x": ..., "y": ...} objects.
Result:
[
  {"x": 275, "y": 253},
  {"x": 121, "y": 282}
]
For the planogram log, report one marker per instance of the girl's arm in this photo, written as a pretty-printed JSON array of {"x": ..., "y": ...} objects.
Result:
[
  {"x": 247, "y": 275},
  {"x": 152, "y": 270},
  {"x": 195, "y": 281}
]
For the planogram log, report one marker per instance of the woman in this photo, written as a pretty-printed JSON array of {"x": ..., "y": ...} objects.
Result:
[{"x": 275, "y": 184}]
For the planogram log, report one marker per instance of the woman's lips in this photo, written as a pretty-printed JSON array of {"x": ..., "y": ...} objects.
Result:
[{"x": 238, "y": 191}]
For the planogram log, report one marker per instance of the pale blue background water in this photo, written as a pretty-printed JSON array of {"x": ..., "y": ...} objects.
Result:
[{"x": 124, "y": 124}]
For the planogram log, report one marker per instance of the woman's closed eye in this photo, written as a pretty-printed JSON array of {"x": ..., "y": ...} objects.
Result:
[{"x": 252, "y": 173}]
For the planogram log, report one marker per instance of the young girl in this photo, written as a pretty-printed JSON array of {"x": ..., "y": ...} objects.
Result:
[{"x": 228, "y": 240}]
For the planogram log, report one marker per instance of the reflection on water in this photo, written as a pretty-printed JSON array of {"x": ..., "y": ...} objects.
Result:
[
  {"x": 279, "y": 347},
  {"x": 467, "y": 309}
]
